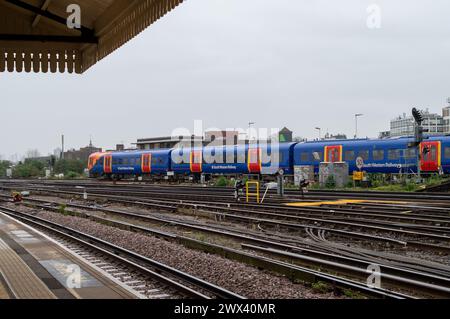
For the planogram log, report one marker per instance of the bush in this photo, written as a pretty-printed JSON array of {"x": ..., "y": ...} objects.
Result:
[
  {"x": 331, "y": 182},
  {"x": 222, "y": 181},
  {"x": 28, "y": 169},
  {"x": 67, "y": 167},
  {"x": 72, "y": 175}
]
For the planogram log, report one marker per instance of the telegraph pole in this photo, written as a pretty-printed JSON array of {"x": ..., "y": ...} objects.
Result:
[{"x": 62, "y": 146}]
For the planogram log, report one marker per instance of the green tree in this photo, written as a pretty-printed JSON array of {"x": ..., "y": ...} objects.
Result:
[
  {"x": 65, "y": 167},
  {"x": 29, "y": 168},
  {"x": 330, "y": 182},
  {"x": 3, "y": 166}
]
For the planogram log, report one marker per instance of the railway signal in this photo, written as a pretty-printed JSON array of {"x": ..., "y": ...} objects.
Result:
[
  {"x": 418, "y": 117},
  {"x": 418, "y": 136}
]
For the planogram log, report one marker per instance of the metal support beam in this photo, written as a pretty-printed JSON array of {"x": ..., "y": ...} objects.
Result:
[
  {"x": 38, "y": 17},
  {"x": 48, "y": 38}
]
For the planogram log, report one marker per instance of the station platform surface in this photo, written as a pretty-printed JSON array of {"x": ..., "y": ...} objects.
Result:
[{"x": 33, "y": 266}]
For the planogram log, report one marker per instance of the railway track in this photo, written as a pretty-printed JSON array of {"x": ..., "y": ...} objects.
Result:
[
  {"x": 423, "y": 277},
  {"x": 411, "y": 222},
  {"x": 341, "y": 221},
  {"x": 173, "y": 283},
  {"x": 227, "y": 192}
]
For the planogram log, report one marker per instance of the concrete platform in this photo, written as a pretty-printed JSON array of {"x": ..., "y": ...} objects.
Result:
[{"x": 34, "y": 266}]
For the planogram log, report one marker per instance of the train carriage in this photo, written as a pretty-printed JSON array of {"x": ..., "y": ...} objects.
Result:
[
  {"x": 137, "y": 163},
  {"x": 377, "y": 156},
  {"x": 265, "y": 159},
  {"x": 392, "y": 156}
]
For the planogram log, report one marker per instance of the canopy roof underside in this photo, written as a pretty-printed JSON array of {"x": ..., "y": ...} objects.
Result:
[{"x": 34, "y": 35}]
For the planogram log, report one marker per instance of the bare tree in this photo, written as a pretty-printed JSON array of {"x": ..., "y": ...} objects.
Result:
[{"x": 32, "y": 153}]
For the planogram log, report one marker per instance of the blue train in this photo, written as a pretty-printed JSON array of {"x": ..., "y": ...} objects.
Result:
[{"x": 377, "y": 156}]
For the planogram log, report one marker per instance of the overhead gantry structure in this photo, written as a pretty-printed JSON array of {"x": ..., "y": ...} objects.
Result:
[{"x": 35, "y": 37}]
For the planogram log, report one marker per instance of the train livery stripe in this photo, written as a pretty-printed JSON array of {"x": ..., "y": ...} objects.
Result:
[
  {"x": 254, "y": 166},
  {"x": 107, "y": 164},
  {"x": 196, "y": 160},
  {"x": 439, "y": 154},
  {"x": 146, "y": 163},
  {"x": 333, "y": 147}
]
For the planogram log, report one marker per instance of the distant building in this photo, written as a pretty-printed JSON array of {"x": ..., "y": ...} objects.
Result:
[
  {"x": 211, "y": 138},
  {"x": 285, "y": 135},
  {"x": 329, "y": 136},
  {"x": 82, "y": 154},
  {"x": 446, "y": 117},
  {"x": 384, "y": 134},
  {"x": 156, "y": 143},
  {"x": 222, "y": 137},
  {"x": 404, "y": 125}
]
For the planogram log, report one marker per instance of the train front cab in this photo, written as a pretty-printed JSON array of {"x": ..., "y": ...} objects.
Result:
[
  {"x": 95, "y": 164},
  {"x": 430, "y": 153}
]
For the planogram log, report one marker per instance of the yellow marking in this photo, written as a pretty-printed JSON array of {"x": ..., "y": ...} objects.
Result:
[
  {"x": 342, "y": 202},
  {"x": 247, "y": 188}
]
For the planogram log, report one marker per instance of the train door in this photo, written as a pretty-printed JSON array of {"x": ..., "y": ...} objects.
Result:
[
  {"x": 333, "y": 153},
  {"x": 196, "y": 161},
  {"x": 107, "y": 164},
  {"x": 254, "y": 160},
  {"x": 430, "y": 153},
  {"x": 146, "y": 163}
]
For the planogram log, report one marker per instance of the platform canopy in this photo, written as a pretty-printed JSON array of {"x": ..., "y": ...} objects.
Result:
[{"x": 34, "y": 36}]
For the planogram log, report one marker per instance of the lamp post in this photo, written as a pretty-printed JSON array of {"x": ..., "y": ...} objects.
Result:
[
  {"x": 356, "y": 124},
  {"x": 320, "y": 132},
  {"x": 249, "y": 130}
]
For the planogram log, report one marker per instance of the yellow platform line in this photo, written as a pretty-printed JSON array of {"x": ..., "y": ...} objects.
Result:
[{"x": 342, "y": 202}]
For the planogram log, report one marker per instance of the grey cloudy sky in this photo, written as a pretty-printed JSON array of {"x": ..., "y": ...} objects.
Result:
[{"x": 294, "y": 63}]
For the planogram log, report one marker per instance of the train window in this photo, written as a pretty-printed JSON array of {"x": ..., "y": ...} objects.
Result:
[
  {"x": 229, "y": 156},
  {"x": 393, "y": 154},
  {"x": 318, "y": 156},
  {"x": 378, "y": 155},
  {"x": 235, "y": 157},
  {"x": 219, "y": 157},
  {"x": 410, "y": 153},
  {"x": 304, "y": 157},
  {"x": 447, "y": 152},
  {"x": 281, "y": 158},
  {"x": 364, "y": 154},
  {"x": 207, "y": 158},
  {"x": 265, "y": 157},
  {"x": 349, "y": 156},
  {"x": 241, "y": 157},
  {"x": 433, "y": 153},
  {"x": 156, "y": 160},
  {"x": 181, "y": 157}
]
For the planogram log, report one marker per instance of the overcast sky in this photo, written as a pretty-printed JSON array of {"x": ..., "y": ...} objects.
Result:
[{"x": 294, "y": 63}]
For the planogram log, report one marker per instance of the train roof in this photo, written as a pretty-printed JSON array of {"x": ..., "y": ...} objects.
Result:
[
  {"x": 282, "y": 146},
  {"x": 140, "y": 152},
  {"x": 365, "y": 141}
]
